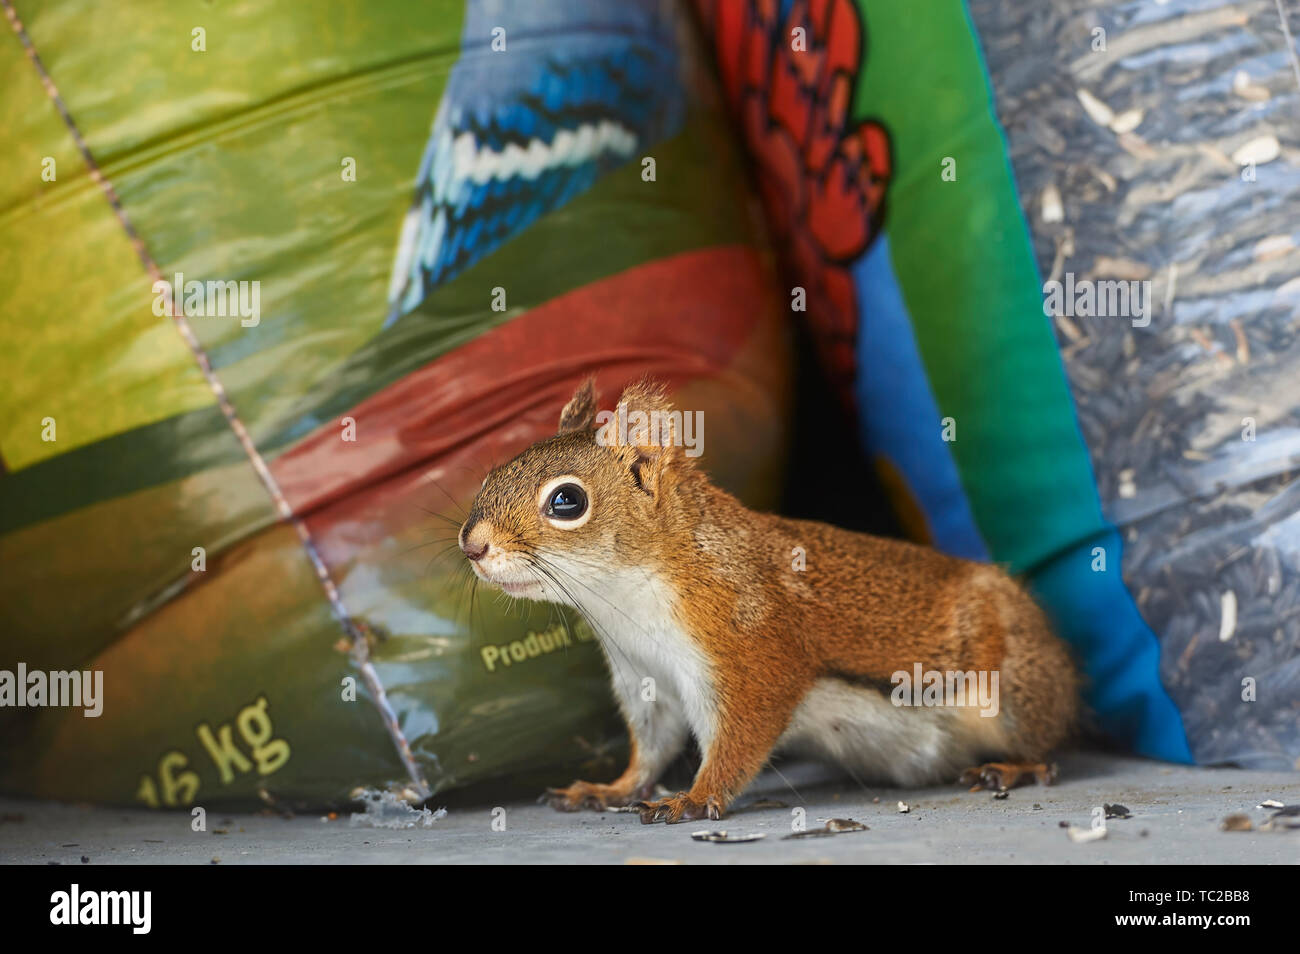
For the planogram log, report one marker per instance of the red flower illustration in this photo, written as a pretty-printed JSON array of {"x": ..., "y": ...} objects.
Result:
[{"x": 790, "y": 80}]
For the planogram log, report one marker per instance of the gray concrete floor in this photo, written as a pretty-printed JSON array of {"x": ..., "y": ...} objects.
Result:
[{"x": 1176, "y": 815}]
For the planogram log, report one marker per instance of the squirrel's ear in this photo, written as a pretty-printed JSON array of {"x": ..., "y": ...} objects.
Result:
[
  {"x": 645, "y": 395},
  {"x": 647, "y": 433},
  {"x": 580, "y": 413}
]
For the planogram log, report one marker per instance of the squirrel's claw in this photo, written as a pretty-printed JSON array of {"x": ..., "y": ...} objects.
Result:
[
  {"x": 561, "y": 800},
  {"x": 679, "y": 808}
]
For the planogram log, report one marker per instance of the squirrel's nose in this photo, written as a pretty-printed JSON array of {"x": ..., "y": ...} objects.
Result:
[{"x": 474, "y": 549}]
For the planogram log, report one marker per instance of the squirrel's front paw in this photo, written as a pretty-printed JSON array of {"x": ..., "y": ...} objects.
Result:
[
  {"x": 591, "y": 795},
  {"x": 680, "y": 807},
  {"x": 1001, "y": 776}
]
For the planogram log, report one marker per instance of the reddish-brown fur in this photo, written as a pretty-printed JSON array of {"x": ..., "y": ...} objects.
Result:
[{"x": 862, "y": 609}]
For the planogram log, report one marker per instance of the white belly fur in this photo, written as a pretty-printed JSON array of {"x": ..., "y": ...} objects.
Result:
[{"x": 861, "y": 730}]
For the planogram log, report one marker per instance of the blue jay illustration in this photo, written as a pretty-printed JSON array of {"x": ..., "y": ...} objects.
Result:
[{"x": 580, "y": 87}]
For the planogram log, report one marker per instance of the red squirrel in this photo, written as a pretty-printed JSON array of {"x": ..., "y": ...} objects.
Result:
[{"x": 761, "y": 633}]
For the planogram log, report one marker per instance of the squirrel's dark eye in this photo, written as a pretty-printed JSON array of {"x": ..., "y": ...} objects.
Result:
[{"x": 568, "y": 502}]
